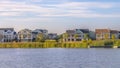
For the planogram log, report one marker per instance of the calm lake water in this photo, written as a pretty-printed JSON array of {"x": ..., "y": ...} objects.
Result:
[{"x": 59, "y": 58}]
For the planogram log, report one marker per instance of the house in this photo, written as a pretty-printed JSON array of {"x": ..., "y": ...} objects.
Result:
[
  {"x": 83, "y": 33},
  {"x": 92, "y": 35},
  {"x": 69, "y": 36},
  {"x": 115, "y": 33},
  {"x": 102, "y": 34},
  {"x": 119, "y": 35},
  {"x": 75, "y": 35},
  {"x": 25, "y": 35},
  {"x": 52, "y": 36},
  {"x": 7, "y": 35},
  {"x": 38, "y": 31}
]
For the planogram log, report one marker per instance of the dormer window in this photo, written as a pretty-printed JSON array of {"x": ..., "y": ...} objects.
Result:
[
  {"x": 14, "y": 33},
  {"x": 5, "y": 30}
]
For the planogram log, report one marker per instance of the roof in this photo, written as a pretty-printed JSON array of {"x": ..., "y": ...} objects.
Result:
[
  {"x": 83, "y": 30},
  {"x": 70, "y": 31},
  {"x": 52, "y": 34},
  {"x": 40, "y": 30},
  {"x": 102, "y": 31},
  {"x": 6, "y": 28},
  {"x": 106, "y": 31},
  {"x": 114, "y": 31},
  {"x": 24, "y": 30}
]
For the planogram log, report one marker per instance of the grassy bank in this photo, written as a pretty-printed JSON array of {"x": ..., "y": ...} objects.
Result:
[
  {"x": 46, "y": 44},
  {"x": 54, "y": 44},
  {"x": 42, "y": 45},
  {"x": 106, "y": 43}
]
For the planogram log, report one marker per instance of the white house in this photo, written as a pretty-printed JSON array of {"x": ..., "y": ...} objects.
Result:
[{"x": 7, "y": 35}]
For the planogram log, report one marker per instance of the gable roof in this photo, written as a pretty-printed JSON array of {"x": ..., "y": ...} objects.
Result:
[
  {"x": 70, "y": 31},
  {"x": 25, "y": 30},
  {"x": 40, "y": 30},
  {"x": 102, "y": 31},
  {"x": 83, "y": 30},
  {"x": 7, "y": 29},
  {"x": 114, "y": 31}
]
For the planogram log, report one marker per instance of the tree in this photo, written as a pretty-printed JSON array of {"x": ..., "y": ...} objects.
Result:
[
  {"x": 40, "y": 37},
  {"x": 76, "y": 35},
  {"x": 90, "y": 41},
  {"x": 86, "y": 36},
  {"x": 65, "y": 35},
  {"x": 106, "y": 36},
  {"x": 113, "y": 36}
]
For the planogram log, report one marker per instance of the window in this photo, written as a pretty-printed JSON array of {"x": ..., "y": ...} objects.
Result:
[
  {"x": 72, "y": 39},
  {"x": 79, "y": 35},
  {"x": 78, "y": 39},
  {"x": 68, "y": 39},
  {"x": 5, "y": 30},
  {"x": 72, "y": 35}
]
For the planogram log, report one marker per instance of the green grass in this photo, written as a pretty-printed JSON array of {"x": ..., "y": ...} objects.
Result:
[{"x": 54, "y": 44}]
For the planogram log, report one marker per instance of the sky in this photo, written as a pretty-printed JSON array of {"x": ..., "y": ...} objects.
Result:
[{"x": 59, "y": 15}]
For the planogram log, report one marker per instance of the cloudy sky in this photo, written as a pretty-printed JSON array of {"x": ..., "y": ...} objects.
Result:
[{"x": 59, "y": 15}]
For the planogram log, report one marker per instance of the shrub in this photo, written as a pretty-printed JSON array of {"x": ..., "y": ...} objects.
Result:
[
  {"x": 108, "y": 43},
  {"x": 50, "y": 43}
]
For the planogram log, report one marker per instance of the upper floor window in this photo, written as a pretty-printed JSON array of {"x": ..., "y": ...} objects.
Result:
[{"x": 5, "y": 30}]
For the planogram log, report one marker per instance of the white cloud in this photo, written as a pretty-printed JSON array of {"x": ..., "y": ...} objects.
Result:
[
  {"x": 72, "y": 9},
  {"x": 10, "y": 14},
  {"x": 84, "y": 5},
  {"x": 8, "y": 6},
  {"x": 36, "y": 0},
  {"x": 83, "y": 15}
]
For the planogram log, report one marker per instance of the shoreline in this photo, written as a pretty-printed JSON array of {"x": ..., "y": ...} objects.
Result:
[{"x": 55, "y": 44}]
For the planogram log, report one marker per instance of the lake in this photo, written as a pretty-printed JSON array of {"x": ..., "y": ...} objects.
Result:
[{"x": 60, "y": 58}]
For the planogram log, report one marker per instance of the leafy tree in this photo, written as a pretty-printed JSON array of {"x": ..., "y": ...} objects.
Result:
[
  {"x": 86, "y": 36},
  {"x": 60, "y": 36},
  {"x": 57, "y": 38},
  {"x": 65, "y": 35},
  {"x": 113, "y": 36},
  {"x": 106, "y": 36},
  {"x": 89, "y": 41},
  {"x": 76, "y": 35},
  {"x": 40, "y": 37}
]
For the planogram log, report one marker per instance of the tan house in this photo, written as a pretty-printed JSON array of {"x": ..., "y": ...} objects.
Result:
[
  {"x": 102, "y": 34},
  {"x": 25, "y": 35}
]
